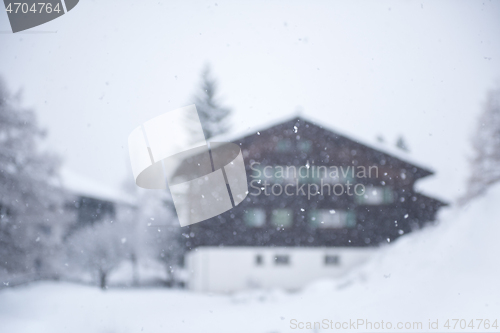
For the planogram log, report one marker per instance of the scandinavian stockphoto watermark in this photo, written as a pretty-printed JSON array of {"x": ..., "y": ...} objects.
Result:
[
  {"x": 205, "y": 178},
  {"x": 26, "y": 14},
  {"x": 309, "y": 180}
]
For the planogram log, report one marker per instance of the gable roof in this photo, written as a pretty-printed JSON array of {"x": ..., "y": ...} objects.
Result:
[
  {"x": 391, "y": 152},
  {"x": 80, "y": 185}
]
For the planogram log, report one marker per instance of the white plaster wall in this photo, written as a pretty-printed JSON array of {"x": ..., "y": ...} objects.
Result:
[{"x": 214, "y": 269}]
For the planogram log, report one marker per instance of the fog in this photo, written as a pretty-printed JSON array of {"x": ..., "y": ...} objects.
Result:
[{"x": 418, "y": 69}]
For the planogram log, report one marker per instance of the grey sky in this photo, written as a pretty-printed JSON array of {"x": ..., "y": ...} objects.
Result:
[{"x": 415, "y": 68}]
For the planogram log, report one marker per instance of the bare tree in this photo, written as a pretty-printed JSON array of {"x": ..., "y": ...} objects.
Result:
[
  {"x": 99, "y": 249},
  {"x": 157, "y": 233},
  {"x": 163, "y": 240}
]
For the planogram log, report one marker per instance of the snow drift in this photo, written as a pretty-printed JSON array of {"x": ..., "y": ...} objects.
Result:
[{"x": 447, "y": 271}]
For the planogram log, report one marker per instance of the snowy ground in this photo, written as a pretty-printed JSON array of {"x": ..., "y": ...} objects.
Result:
[{"x": 451, "y": 271}]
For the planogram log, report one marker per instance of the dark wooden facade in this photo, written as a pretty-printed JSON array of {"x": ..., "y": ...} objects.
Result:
[{"x": 358, "y": 223}]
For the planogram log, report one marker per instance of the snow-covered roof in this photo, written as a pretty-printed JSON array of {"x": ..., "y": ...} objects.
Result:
[
  {"x": 389, "y": 150},
  {"x": 84, "y": 186}
]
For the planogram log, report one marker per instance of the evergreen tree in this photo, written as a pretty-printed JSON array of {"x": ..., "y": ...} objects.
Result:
[
  {"x": 30, "y": 207},
  {"x": 213, "y": 116},
  {"x": 401, "y": 144},
  {"x": 485, "y": 165}
]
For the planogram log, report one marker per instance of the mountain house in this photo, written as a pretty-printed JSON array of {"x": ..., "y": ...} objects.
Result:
[{"x": 319, "y": 203}]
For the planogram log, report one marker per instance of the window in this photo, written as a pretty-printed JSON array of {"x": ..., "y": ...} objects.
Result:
[
  {"x": 255, "y": 217},
  {"x": 321, "y": 173},
  {"x": 327, "y": 174},
  {"x": 350, "y": 219},
  {"x": 258, "y": 172},
  {"x": 341, "y": 174},
  {"x": 346, "y": 174},
  {"x": 289, "y": 173},
  {"x": 304, "y": 145},
  {"x": 332, "y": 219},
  {"x": 282, "y": 260},
  {"x": 284, "y": 145},
  {"x": 282, "y": 217},
  {"x": 332, "y": 260},
  {"x": 309, "y": 175},
  {"x": 259, "y": 260},
  {"x": 375, "y": 195}
]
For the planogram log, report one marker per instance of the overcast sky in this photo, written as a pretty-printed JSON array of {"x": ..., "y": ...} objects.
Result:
[{"x": 414, "y": 68}]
